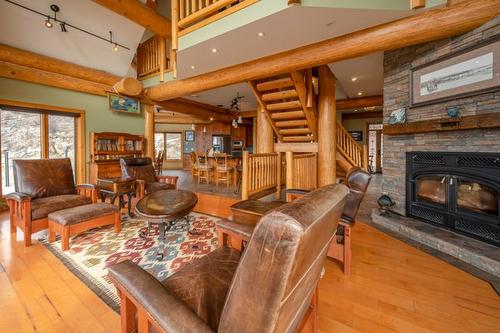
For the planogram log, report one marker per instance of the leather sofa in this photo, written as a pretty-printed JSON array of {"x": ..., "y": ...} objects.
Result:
[
  {"x": 43, "y": 186},
  {"x": 267, "y": 289},
  {"x": 148, "y": 181}
]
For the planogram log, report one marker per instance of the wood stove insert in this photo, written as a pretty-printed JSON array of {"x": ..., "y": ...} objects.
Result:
[{"x": 458, "y": 191}]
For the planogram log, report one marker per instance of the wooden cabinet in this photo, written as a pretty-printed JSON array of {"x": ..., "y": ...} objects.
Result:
[{"x": 107, "y": 148}]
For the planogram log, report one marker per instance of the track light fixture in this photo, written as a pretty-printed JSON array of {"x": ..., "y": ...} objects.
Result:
[{"x": 49, "y": 19}]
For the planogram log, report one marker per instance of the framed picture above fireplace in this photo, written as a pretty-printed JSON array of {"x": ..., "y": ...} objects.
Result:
[{"x": 472, "y": 71}]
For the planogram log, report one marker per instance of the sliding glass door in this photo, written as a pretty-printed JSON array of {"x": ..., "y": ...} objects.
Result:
[{"x": 62, "y": 138}]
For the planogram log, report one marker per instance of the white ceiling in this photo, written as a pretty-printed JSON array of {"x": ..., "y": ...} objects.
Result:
[
  {"x": 26, "y": 30},
  {"x": 288, "y": 29}
]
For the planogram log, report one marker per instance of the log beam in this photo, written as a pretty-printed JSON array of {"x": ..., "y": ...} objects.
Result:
[
  {"x": 149, "y": 130},
  {"x": 29, "y": 74},
  {"x": 128, "y": 86},
  {"x": 201, "y": 110},
  {"x": 29, "y": 59},
  {"x": 362, "y": 102},
  {"x": 421, "y": 28},
  {"x": 141, "y": 14}
]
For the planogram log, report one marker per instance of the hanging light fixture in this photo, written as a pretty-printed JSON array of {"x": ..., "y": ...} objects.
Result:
[
  {"x": 193, "y": 127},
  {"x": 51, "y": 19},
  {"x": 240, "y": 120},
  {"x": 234, "y": 123}
]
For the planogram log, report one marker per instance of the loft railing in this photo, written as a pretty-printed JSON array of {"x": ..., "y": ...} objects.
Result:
[
  {"x": 353, "y": 152},
  {"x": 262, "y": 174},
  {"x": 301, "y": 171},
  {"x": 154, "y": 57}
]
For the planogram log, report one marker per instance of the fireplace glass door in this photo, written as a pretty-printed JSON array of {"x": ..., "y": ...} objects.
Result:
[
  {"x": 476, "y": 197},
  {"x": 431, "y": 189}
]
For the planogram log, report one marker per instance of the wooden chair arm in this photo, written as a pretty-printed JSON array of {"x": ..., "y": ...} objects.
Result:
[
  {"x": 87, "y": 190},
  {"x": 18, "y": 197}
]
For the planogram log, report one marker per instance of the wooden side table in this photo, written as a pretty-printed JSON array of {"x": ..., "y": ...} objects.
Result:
[{"x": 117, "y": 188}]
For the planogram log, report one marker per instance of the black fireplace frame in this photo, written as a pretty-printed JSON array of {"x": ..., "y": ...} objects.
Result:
[{"x": 479, "y": 167}]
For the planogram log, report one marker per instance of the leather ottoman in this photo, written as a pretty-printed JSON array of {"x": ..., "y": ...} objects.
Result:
[{"x": 72, "y": 221}]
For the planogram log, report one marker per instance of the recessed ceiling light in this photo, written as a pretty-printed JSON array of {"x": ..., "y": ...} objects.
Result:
[
  {"x": 214, "y": 50},
  {"x": 260, "y": 34},
  {"x": 192, "y": 67},
  {"x": 354, "y": 79},
  {"x": 211, "y": 118},
  {"x": 360, "y": 93}
]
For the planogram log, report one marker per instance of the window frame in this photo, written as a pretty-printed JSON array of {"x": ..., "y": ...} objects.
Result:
[{"x": 45, "y": 111}]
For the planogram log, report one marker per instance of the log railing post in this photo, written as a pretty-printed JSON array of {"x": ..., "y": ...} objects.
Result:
[
  {"x": 245, "y": 176},
  {"x": 289, "y": 169},
  {"x": 365, "y": 157},
  {"x": 278, "y": 176},
  {"x": 163, "y": 57}
]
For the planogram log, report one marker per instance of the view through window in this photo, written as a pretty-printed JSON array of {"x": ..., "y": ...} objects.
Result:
[{"x": 174, "y": 146}]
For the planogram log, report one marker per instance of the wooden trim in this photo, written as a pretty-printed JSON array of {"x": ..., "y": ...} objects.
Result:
[
  {"x": 489, "y": 120},
  {"x": 416, "y": 4},
  {"x": 80, "y": 135},
  {"x": 44, "y": 135},
  {"x": 20, "y": 57},
  {"x": 186, "y": 106},
  {"x": 296, "y": 147},
  {"x": 362, "y": 102},
  {"x": 412, "y": 30},
  {"x": 139, "y": 13}
]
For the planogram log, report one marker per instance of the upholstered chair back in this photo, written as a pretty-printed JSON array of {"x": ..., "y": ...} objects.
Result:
[
  {"x": 357, "y": 181},
  {"x": 277, "y": 275},
  {"x": 140, "y": 168},
  {"x": 44, "y": 177}
]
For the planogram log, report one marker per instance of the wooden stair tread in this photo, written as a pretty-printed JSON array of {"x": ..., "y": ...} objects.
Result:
[
  {"x": 278, "y": 95},
  {"x": 275, "y": 84},
  {"x": 295, "y": 131},
  {"x": 291, "y": 123},
  {"x": 287, "y": 115},
  {"x": 284, "y": 106},
  {"x": 302, "y": 138}
]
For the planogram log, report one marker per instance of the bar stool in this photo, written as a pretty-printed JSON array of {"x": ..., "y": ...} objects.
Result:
[
  {"x": 203, "y": 167},
  {"x": 194, "y": 165},
  {"x": 222, "y": 170}
]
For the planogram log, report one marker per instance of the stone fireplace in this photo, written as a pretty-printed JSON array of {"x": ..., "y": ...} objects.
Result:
[{"x": 419, "y": 194}]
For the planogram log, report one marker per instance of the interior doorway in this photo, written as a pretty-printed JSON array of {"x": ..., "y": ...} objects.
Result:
[{"x": 375, "y": 147}]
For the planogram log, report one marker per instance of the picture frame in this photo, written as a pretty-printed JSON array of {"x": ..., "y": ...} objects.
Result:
[
  {"x": 189, "y": 136},
  {"x": 357, "y": 135},
  {"x": 124, "y": 104},
  {"x": 469, "y": 72}
]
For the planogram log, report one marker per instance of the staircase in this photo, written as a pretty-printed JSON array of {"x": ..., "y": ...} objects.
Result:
[{"x": 289, "y": 103}]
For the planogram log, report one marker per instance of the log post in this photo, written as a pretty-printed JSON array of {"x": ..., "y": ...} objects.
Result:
[
  {"x": 163, "y": 58},
  {"x": 327, "y": 136},
  {"x": 244, "y": 176},
  {"x": 365, "y": 157},
  {"x": 265, "y": 141},
  {"x": 149, "y": 131},
  {"x": 289, "y": 169}
]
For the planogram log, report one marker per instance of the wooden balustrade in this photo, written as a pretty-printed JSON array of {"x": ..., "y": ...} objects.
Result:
[
  {"x": 261, "y": 174},
  {"x": 349, "y": 148},
  {"x": 152, "y": 58},
  {"x": 301, "y": 171}
]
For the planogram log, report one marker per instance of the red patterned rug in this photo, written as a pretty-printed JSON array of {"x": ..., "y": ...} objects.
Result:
[{"x": 92, "y": 252}]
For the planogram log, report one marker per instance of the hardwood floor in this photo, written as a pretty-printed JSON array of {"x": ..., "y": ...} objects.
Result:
[{"x": 392, "y": 288}]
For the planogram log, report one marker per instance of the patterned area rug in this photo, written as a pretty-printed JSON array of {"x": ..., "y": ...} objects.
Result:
[{"x": 92, "y": 252}]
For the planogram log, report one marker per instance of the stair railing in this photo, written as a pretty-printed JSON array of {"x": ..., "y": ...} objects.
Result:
[
  {"x": 355, "y": 153},
  {"x": 301, "y": 171},
  {"x": 261, "y": 174},
  {"x": 152, "y": 58}
]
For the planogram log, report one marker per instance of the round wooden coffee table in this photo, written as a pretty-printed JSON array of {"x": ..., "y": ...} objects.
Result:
[{"x": 164, "y": 208}]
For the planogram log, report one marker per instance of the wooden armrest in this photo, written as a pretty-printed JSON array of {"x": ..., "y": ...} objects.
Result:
[
  {"x": 18, "y": 196},
  {"x": 154, "y": 301},
  {"x": 87, "y": 190},
  {"x": 243, "y": 230}
]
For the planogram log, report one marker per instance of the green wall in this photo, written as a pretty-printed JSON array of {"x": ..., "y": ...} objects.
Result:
[{"x": 98, "y": 117}]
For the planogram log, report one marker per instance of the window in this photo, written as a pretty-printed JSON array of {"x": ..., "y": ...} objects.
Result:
[
  {"x": 21, "y": 139},
  {"x": 171, "y": 143},
  {"x": 31, "y": 131},
  {"x": 174, "y": 146}
]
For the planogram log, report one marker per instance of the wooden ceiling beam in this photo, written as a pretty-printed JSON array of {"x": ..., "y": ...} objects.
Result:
[
  {"x": 201, "y": 110},
  {"x": 427, "y": 26},
  {"x": 25, "y": 58},
  {"x": 362, "y": 115},
  {"x": 141, "y": 14},
  {"x": 30, "y": 74},
  {"x": 362, "y": 102},
  {"x": 177, "y": 118}
]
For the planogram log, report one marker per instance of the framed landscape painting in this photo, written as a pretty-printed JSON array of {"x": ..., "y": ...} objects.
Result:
[
  {"x": 470, "y": 72},
  {"x": 124, "y": 104}
]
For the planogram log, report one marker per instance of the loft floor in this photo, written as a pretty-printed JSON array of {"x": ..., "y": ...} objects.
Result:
[{"x": 393, "y": 287}]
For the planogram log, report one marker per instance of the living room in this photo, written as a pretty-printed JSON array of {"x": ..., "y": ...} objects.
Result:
[{"x": 159, "y": 157}]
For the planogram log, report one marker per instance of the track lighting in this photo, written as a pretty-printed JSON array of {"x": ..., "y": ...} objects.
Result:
[
  {"x": 48, "y": 24},
  {"x": 50, "y": 19}
]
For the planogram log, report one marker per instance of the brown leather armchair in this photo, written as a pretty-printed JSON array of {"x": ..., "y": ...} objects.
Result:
[
  {"x": 267, "y": 289},
  {"x": 43, "y": 186},
  {"x": 143, "y": 171},
  {"x": 357, "y": 180}
]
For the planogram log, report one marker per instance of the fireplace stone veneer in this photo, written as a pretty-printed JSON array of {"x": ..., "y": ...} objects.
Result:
[{"x": 458, "y": 191}]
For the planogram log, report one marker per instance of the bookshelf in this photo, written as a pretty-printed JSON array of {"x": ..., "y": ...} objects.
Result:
[{"x": 107, "y": 148}]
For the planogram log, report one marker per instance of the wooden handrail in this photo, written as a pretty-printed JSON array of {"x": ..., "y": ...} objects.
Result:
[
  {"x": 260, "y": 173},
  {"x": 152, "y": 57},
  {"x": 349, "y": 148}
]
